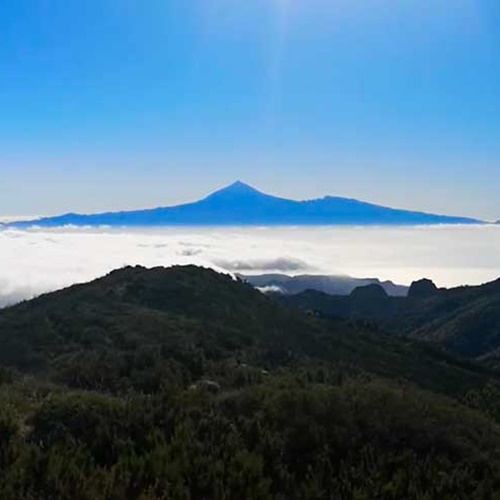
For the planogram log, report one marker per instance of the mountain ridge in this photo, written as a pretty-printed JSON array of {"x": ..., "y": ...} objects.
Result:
[
  {"x": 242, "y": 205},
  {"x": 177, "y": 383},
  {"x": 188, "y": 314},
  {"x": 330, "y": 284},
  {"x": 464, "y": 320}
]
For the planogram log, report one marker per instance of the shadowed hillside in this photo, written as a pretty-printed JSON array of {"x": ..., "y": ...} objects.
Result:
[
  {"x": 465, "y": 320},
  {"x": 183, "y": 383},
  {"x": 136, "y": 320}
]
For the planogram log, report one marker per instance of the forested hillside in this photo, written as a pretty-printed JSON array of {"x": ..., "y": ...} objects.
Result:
[
  {"x": 182, "y": 383},
  {"x": 465, "y": 320}
]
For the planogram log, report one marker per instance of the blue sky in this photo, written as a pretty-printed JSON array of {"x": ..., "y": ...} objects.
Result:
[{"x": 116, "y": 104}]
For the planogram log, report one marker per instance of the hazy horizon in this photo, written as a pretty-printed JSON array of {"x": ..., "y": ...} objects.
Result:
[{"x": 46, "y": 260}]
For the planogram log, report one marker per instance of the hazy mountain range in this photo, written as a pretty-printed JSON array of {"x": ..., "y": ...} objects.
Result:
[
  {"x": 240, "y": 204},
  {"x": 333, "y": 285}
]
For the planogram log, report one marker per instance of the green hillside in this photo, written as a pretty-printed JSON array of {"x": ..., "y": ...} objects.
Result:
[
  {"x": 182, "y": 383},
  {"x": 465, "y": 320}
]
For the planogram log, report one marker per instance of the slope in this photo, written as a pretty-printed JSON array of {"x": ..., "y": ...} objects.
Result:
[
  {"x": 117, "y": 331},
  {"x": 465, "y": 320},
  {"x": 183, "y": 383}
]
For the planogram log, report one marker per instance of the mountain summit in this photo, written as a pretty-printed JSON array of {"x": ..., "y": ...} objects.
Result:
[
  {"x": 237, "y": 188},
  {"x": 242, "y": 205}
]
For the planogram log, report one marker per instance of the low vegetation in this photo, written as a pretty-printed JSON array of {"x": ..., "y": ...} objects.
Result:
[{"x": 185, "y": 384}]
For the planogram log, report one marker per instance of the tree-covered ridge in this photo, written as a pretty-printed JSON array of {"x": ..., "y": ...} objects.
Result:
[
  {"x": 139, "y": 327},
  {"x": 465, "y": 320},
  {"x": 182, "y": 383}
]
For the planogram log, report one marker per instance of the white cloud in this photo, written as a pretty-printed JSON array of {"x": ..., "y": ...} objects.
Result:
[
  {"x": 281, "y": 264},
  {"x": 17, "y": 218},
  {"x": 37, "y": 261},
  {"x": 269, "y": 289}
]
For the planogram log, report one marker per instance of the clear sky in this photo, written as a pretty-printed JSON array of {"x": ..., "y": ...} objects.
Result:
[{"x": 118, "y": 104}]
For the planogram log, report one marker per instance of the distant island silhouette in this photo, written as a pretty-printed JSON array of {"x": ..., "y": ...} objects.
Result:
[{"x": 242, "y": 205}]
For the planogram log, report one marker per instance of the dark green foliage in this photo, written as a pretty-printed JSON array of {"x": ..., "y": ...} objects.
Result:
[
  {"x": 465, "y": 320},
  {"x": 285, "y": 439},
  {"x": 149, "y": 330},
  {"x": 185, "y": 384}
]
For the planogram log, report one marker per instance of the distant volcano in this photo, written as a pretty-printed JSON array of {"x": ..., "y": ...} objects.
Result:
[{"x": 241, "y": 205}]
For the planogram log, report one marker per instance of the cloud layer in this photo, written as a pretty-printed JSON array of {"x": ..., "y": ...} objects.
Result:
[{"x": 33, "y": 262}]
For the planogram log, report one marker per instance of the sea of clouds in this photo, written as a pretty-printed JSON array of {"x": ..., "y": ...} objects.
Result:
[{"x": 37, "y": 261}]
